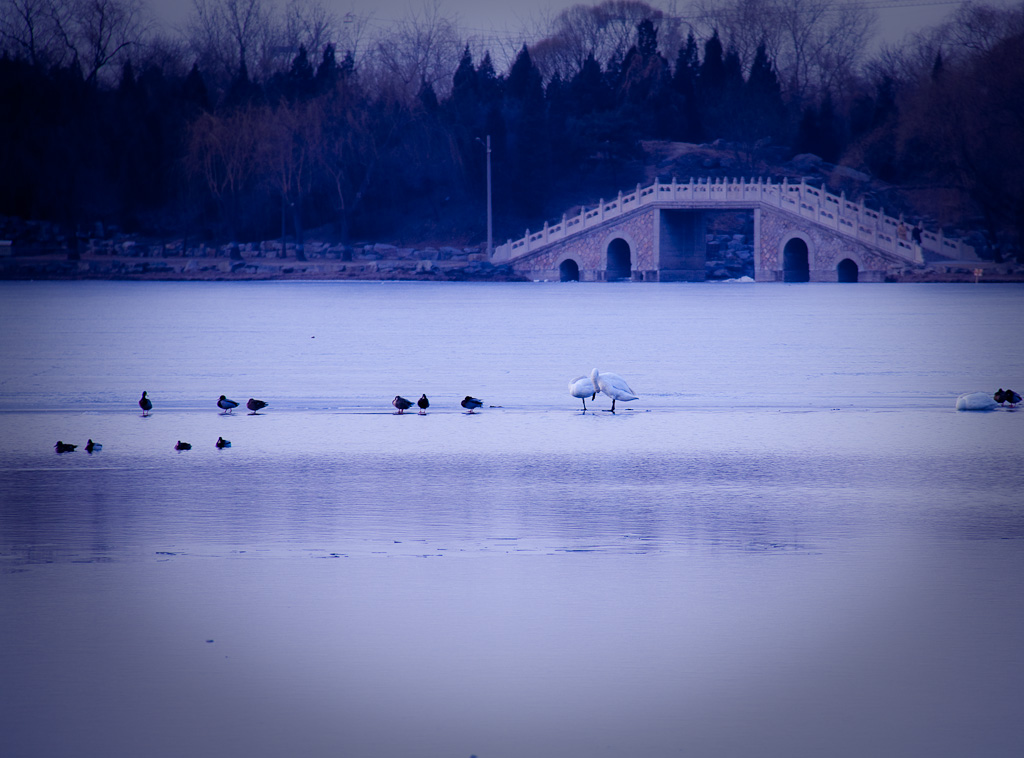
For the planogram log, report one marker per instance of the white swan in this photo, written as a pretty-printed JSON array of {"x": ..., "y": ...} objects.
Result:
[
  {"x": 975, "y": 401},
  {"x": 613, "y": 385},
  {"x": 582, "y": 388}
]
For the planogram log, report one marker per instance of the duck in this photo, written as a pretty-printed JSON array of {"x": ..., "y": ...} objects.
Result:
[
  {"x": 613, "y": 385},
  {"x": 64, "y": 447},
  {"x": 1000, "y": 396},
  {"x": 227, "y": 405},
  {"x": 401, "y": 403},
  {"x": 222, "y": 443},
  {"x": 93, "y": 447},
  {"x": 1011, "y": 397},
  {"x": 471, "y": 403},
  {"x": 255, "y": 405},
  {"x": 182, "y": 446},
  {"x": 423, "y": 403},
  {"x": 582, "y": 387},
  {"x": 145, "y": 404}
]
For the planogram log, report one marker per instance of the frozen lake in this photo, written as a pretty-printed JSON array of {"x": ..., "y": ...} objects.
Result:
[{"x": 790, "y": 545}]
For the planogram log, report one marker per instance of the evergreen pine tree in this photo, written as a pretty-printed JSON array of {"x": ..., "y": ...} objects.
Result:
[
  {"x": 327, "y": 72},
  {"x": 764, "y": 113},
  {"x": 301, "y": 77},
  {"x": 687, "y": 126},
  {"x": 193, "y": 90}
]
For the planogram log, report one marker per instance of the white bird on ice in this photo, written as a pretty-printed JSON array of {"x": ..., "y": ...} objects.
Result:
[
  {"x": 613, "y": 385},
  {"x": 582, "y": 388}
]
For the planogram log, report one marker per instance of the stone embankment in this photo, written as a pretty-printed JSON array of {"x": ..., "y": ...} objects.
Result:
[
  {"x": 43, "y": 255},
  {"x": 131, "y": 259}
]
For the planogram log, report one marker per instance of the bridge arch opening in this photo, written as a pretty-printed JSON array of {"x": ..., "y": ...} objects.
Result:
[
  {"x": 569, "y": 271},
  {"x": 619, "y": 264},
  {"x": 847, "y": 270},
  {"x": 795, "y": 265}
]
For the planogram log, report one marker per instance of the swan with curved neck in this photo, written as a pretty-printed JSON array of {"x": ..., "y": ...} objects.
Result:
[
  {"x": 582, "y": 388},
  {"x": 613, "y": 385}
]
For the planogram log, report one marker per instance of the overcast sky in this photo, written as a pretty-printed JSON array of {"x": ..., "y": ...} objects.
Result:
[{"x": 487, "y": 18}]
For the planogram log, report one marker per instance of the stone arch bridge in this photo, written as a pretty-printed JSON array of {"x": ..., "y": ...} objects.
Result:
[{"x": 658, "y": 233}]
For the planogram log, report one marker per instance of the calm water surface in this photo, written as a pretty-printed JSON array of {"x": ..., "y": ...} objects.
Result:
[{"x": 790, "y": 545}]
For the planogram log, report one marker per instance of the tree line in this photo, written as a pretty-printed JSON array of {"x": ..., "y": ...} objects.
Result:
[{"x": 253, "y": 122}]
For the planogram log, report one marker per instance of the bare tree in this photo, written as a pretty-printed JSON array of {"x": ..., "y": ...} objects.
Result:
[
  {"x": 606, "y": 31},
  {"x": 972, "y": 29},
  {"x": 293, "y": 136},
  {"x": 961, "y": 115},
  {"x": 33, "y": 30},
  {"x": 224, "y": 154},
  {"x": 228, "y": 35},
  {"x": 309, "y": 24},
  {"x": 95, "y": 33},
  {"x": 816, "y": 44},
  {"x": 979, "y": 28},
  {"x": 102, "y": 31},
  {"x": 422, "y": 48}
]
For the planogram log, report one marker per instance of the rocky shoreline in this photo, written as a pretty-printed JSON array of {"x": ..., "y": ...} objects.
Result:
[
  {"x": 131, "y": 260},
  {"x": 729, "y": 256}
]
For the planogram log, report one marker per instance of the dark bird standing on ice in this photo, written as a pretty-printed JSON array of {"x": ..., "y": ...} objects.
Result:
[
  {"x": 1011, "y": 397},
  {"x": 254, "y": 405},
  {"x": 401, "y": 403},
  {"x": 423, "y": 403},
  {"x": 470, "y": 403},
  {"x": 227, "y": 405},
  {"x": 145, "y": 404}
]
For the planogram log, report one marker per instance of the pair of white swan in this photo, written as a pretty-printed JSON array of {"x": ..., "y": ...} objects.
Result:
[{"x": 612, "y": 385}]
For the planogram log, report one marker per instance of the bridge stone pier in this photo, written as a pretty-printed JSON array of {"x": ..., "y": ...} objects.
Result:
[{"x": 658, "y": 234}]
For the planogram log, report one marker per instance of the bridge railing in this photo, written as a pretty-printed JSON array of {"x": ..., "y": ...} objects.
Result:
[{"x": 853, "y": 220}]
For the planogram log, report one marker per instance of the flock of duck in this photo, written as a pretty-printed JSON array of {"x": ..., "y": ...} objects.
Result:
[
  {"x": 227, "y": 407},
  {"x": 612, "y": 385},
  {"x": 1006, "y": 396},
  {"x": 470, "y": 403}
]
